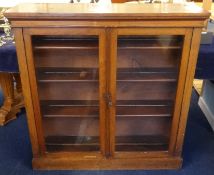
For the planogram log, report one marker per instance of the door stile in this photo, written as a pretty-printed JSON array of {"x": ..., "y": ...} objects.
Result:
[
  {"x": 193, "y": 55},
  {"x": 111, "y": 84},
  {"x": 180, "y": 89},
  {"x": 102, "y": 91},
  {"x": 34, "y": 91}
]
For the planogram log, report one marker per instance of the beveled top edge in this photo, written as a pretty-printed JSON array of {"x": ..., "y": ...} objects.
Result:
[{"x": 66, "y": 11}]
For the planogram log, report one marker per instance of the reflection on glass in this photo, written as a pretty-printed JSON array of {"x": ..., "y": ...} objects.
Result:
[
  {"x": 147, "y": 74},
  {"x": 67, "y": 77}
]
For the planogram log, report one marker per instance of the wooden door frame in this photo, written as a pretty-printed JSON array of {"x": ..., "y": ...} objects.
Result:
[
  {"x": 187, "y": 33},
  {"x": 35, "y": 108}
]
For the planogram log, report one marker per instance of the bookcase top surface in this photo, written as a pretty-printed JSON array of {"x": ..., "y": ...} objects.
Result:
[{"x": 68, "y": 11}]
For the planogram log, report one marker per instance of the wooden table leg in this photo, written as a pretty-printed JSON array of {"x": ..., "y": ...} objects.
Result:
[
  {"x": 19, "y": 99},
  {"x": 18, "y": 82},
  {"x": 12, "y": 101}
]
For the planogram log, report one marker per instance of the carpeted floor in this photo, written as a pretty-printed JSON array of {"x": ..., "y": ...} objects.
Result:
[{"x": 15, "y": 149}]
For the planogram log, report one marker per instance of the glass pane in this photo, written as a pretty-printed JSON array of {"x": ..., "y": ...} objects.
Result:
[
  {"x": 68, "y": 86},
  {"x": 147, "y": 73}
]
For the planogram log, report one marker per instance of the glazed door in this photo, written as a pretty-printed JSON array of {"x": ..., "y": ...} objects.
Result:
[
  {"x": 148, "y": 67},
  {"x": 68, "y": 82}
]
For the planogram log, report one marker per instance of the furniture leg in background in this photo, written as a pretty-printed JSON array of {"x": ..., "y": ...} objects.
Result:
[{"x": 13, "y": 100}]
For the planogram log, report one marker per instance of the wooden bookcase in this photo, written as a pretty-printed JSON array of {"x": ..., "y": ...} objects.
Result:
[{"x": 107, "y": 90}]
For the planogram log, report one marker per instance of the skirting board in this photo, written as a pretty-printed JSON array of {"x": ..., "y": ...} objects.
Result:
[
  {"x": 209, "y": 115},
  {"x": 69, "y": 163}
]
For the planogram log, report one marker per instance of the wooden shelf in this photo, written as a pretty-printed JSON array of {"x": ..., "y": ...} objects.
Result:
[
  {"x": 65, "y": 43},
  {"x": 70, "y": 111},
  {"x": 72, "y": 143},
  {"x": 140, "y": 148},
  {"x": 144, "y": 108},
  {"x": 76, "y": 111},
  {"x": 67, "y": 75},
  {"x": 144, "y": 103},
  {"x": 91, "y": 143},
  {"x": 147, "y": 75},
  {"x": 139, "y": 42},
  {"x": 69, "y": 108},
  {"x": 96, "y": 102},
  {"x": 58, "y": 103},
  {"x": 127, "y": 108},
  {"x": 141, "y": 143},
  {"x": 92, "y": 75},
  {"x": 148, "y": 111}
]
